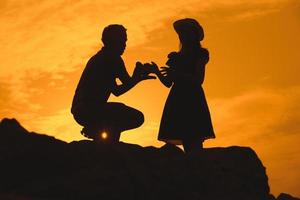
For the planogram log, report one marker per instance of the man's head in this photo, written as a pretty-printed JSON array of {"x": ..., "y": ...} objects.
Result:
[{"x": 114, "y": 37}]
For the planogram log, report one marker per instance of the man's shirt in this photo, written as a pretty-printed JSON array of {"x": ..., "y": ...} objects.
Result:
[{"x": 97, "y": 80}]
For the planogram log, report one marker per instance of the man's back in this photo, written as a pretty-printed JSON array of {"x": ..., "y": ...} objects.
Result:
[{"x": 96, "y": 81}]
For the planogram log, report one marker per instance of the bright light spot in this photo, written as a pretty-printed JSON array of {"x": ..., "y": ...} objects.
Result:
[{"x": 104, "y": 135}]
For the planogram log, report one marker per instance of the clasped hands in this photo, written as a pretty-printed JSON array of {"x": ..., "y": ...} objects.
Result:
[{"x": 148, "y": 70}]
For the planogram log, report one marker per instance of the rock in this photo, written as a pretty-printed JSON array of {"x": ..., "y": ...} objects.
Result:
[
  {"x": 284, "y": 196},
  {"x": 35, "y": 166}
]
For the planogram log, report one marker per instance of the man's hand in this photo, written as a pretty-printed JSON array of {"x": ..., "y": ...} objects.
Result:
[
  {"x": 151, "y": 68},
  {"x": 142, "y": 71}
]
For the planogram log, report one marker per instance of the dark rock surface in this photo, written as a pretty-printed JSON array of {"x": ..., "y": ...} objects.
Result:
[
  {"x": 284, "y": 196},
  {"x": 34, "y": 166}
]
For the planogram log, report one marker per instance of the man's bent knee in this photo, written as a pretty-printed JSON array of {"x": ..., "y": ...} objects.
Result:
[
  {"x": 140, "y": 118},
  {"x": 134, "y": 119}
]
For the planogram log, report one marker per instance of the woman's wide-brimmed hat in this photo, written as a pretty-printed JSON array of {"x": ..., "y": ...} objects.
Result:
[{"x": 189, "y": 24}]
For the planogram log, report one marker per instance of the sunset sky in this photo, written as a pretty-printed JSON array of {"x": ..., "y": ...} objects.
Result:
[{"x": 252, "y": 80}]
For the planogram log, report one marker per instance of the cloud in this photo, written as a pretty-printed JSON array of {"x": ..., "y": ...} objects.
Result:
[
  {"x": 42, "y": 41},
  {"x": 14, "y": 100},
  {"x": 36, "y": 93},
  {"x": 60, "y": 124},
  {"x": 51, "y": 35},
  {"x": 260, "y": 113}
]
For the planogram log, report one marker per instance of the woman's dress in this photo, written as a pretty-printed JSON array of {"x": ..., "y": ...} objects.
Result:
[{"x": 186, "y": 114}]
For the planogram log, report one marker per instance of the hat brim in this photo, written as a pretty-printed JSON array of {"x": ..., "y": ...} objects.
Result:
[{"x": 188, "y": 24}]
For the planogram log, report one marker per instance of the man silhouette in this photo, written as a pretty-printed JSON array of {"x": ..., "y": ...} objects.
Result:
[{"x": 102, "y": 120}]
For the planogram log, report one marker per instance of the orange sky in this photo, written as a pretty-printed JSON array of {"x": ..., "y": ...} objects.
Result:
[{"x": 251, "y": 84}]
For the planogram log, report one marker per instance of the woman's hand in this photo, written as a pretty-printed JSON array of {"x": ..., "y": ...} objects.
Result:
[
  {"x": 167, "y": 71},
  {"x": 162, "y": 74}
]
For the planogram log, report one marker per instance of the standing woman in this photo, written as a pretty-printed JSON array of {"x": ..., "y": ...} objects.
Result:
[{"x": 186, "y": 118}]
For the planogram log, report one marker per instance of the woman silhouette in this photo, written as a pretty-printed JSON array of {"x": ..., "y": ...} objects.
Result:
[{"x": 186, "y": 118}]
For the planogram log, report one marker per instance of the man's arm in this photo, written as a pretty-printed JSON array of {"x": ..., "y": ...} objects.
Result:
[{"x": 128, "y": 81}]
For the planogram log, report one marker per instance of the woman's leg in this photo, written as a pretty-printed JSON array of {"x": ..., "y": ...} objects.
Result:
[{"x": 192, "y": 145}]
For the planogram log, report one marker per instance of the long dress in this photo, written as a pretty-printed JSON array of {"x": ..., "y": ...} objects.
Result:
[{"x": 186, "y": 114}]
